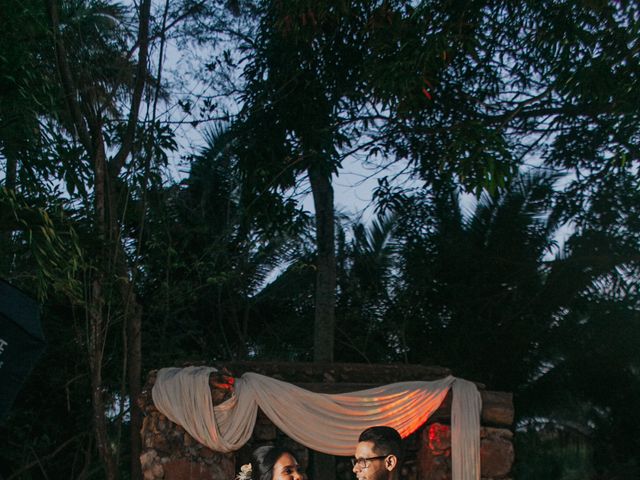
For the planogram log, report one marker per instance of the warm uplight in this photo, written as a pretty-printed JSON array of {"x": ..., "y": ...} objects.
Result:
[{"x": 439, "y": 436}]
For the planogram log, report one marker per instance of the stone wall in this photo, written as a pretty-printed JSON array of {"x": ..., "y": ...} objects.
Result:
[{"x": 170, "y": 453}]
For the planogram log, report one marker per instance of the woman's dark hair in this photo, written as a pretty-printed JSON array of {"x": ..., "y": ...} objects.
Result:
[{"x": 263, "y": 459}]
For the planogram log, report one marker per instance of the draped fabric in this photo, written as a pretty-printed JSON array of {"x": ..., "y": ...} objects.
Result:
[{"x": 328, "y": 423}]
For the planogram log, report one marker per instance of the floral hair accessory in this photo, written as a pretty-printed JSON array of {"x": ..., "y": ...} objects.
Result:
[{"x": 245, "y": 472}]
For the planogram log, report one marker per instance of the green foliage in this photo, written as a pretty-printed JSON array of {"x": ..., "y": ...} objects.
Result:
[
  {"x": 208, "y": 253},
  {"x": 51, "y": 243},
  {"x": 548, "y": 453},
  {"x": 483, "y": 291},
  {"x": 282, "y": 320}
]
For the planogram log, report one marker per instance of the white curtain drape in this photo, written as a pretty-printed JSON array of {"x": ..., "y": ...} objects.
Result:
[{"x": 323, "y": 422}]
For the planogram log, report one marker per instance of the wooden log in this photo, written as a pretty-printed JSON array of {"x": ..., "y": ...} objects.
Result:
[
  {"x": 337, "y": 372},
  {"x": 497, "y": 409}
]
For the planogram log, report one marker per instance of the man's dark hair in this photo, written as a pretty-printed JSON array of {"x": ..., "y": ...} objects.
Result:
[{"x": 386, "y": 441}]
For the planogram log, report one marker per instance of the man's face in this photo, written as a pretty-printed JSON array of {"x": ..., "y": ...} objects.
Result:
[{"x": 375, "y": 469}]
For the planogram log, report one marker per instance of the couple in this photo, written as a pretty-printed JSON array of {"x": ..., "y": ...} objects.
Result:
[{"x": 377, "y": 457}]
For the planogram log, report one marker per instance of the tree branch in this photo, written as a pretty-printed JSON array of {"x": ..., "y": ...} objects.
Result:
[
  {"x": 589, "y": 110},
  {"x": 141, "y": 73}
]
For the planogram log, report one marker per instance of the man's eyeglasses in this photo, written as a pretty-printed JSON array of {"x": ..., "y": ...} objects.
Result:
[{"x": 364, "y": 462}]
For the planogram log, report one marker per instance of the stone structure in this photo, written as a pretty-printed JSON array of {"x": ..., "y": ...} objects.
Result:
[{"x": 170, "y": 453}]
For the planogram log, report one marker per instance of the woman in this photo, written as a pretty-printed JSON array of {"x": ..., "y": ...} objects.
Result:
[{"x": 271, "y": 463}]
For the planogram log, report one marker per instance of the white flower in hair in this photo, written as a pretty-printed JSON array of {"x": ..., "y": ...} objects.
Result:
[{"x": 245, "y": 472}]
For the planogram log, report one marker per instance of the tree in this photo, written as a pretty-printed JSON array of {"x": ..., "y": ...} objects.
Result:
[
  {"x": 323, "y": 82},
  {"x": 366, "y": 270},
  {"x": 88, "y": 91},
  {"x": 82, "y": 79},
  {"x": 208, "y": 252}
]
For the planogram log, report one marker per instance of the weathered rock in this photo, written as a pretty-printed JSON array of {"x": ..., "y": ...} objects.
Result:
[
  {"x": 206, "y": 453},
  {"x": 151, "y": 465},
  {"x": 433, "y": 456},
  {"x": 182, "y": 469},
  {"x": 496, "y": 456},
  {"x": 148, "y": 475},
  {"x": 337, "y": 372},
  {"x": 496, "y": 432},
  {"x": 148, "y": 458},
  {"x": 497, "y": 408},
  {"x": 438, "y": 438},
  {"x": 171, "y": 453}
]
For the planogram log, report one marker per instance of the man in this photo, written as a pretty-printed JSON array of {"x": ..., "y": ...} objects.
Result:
[{"x": 378, "y": 454}]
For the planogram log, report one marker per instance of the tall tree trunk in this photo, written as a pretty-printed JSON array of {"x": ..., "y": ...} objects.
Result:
[
  {"x": 96, "y": 346},
  {"x": 97, "y": 313},
  {"x": 324, "y": 325},
  {"x": 133, "y": 317},
  {"x": 132, "y": 314},
  {"x": 17, "y": 136},
  {"x": 134, "y": 374}
]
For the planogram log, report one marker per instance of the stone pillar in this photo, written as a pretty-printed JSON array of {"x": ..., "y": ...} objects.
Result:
[
  {"x": 170, "y": 453},
  {"x": 434, "y": 455}
]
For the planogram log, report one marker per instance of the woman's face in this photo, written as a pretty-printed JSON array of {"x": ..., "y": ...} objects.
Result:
[{"x": 286, "y": 468}]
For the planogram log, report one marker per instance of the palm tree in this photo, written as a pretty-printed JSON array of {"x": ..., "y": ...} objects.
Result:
[
  {"x": 366, "y": 286},
  {"x": 476, "y": 284}
]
